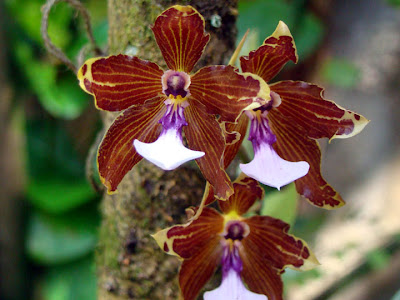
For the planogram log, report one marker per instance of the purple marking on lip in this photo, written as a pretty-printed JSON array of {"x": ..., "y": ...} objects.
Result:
[{"x": 267, "y": 166}]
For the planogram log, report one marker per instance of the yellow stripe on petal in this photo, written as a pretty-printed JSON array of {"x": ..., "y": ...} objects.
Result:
[
  {"x": 359, "y": 122},
  {"x": 185, "y": 240},
  {"x": 120, "y": 81},
  {"x": 305, "y": 105},
  {"x": 283, "y": 30},
  {"x": 180, "y": 34},
  {"x": 164, "y": 242},
  {"x": 272, "y": 55}
]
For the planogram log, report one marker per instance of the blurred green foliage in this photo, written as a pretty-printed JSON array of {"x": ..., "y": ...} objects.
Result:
[
  {"x": 396, "y": 296},
  {"x": 50, "y": 148},
  {"x": 340, "y": 73},
  {"x": 378, "y": 259},
  {"x": 393, "y": 2},
  {"x": 53, "y": 240},
  {"x": 63, "y": 217},
  {"x": 59, "y": 96},
  {"x": 54, "y": 86},
  {"x": 263, "y": 16},
  {"x": 75, "y": 281},
  {"x": 27, "y": 14},
  {"x": 281, "y": 204}
]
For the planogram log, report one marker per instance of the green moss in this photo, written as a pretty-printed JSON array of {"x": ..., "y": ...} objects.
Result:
[
  {"x": 107, "y": 253},
  {"x": 130, "y": 26}
]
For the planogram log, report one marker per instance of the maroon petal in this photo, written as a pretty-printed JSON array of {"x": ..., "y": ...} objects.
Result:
[
  {"x": 196, "y": 271},
  {"x": 204, "y": 133},
  {"x": 227, "y": 93},
  {"x": 246, "y": 192},
  {"x": 293, "y": 144},
  {"x": 199, "y": 244},
  {"x": 305, "y": 105},
  {"x": 118, "y": 82},
  {"x": 117, "y": 155},
  {"x": 186, "y": 240},
  {"x": 270, "y": 58},
  {"x": 267, "y": 250},
  {"x": 179, "y": 32},
  {"x": 235, "y": 134}
]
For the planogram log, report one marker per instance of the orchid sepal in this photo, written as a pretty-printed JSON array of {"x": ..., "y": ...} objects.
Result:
[
  {"x": 112, "y": 79},
  {"x": 170, "y": 30}
]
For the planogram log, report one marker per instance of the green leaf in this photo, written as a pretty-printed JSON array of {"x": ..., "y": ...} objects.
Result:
[
  {"x": 75, "y": 281},
  {"x": 281, "y": 205},
  {"x": 340, "y": 72},
  {"x": 100, "y": 33},
  {"x": 60, "y": 97},
  {"x": 396, "y": 296},
  {"x": 394, "y": 3},
  {"x": 308, "y": 35},
  {"x": 296, "y": 277},
  {"x": 378, "y": 259},
  {"x": 57, "y": 195},
  {"x": 54, "y": 240},
  {"x": 264, "y": 15},
  {"x": 57, "y": 181},
  {"x": 28, "y": 15}
]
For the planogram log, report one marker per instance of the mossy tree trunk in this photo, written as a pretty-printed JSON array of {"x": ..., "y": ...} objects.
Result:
[{"x": 130, "y": 265}]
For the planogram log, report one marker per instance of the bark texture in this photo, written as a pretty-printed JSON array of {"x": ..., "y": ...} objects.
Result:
[{"x": 130, "y": 265}]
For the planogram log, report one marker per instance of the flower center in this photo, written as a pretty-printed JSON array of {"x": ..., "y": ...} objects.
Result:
[
  {"x": 274, "y": 102},
  {"x": 236, "y": 230},
  {"x": 175, "y": 84}
]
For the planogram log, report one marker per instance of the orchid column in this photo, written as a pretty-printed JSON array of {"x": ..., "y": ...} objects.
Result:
[{"x": 128, "y": 262}]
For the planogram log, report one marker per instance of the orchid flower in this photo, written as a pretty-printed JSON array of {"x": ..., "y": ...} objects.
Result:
[
  {"x": 284, "y": 131},
  {"x": 157, "y": 105},
  {"x": 254, "y": 250}
]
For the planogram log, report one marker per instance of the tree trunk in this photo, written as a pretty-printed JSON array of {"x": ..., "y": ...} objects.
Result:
[{"x": 130, "y": 264}]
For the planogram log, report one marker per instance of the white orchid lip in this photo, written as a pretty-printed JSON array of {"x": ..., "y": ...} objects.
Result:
[
  {"x": 168, "y": 151},
  {"x": 270, "y": 169},
  {"x": 267, "y": 166}
]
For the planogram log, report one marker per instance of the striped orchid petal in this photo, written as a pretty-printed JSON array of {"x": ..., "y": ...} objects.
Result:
[
  {"x": 179, "y": 32},
  {"x": 117, "y": 155},
  {"x": 227, "y": 93},
  {"x": 272, "y": 55},
  {"x": 120, "y": 81},
  {"x": 304, "y": 104}
]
